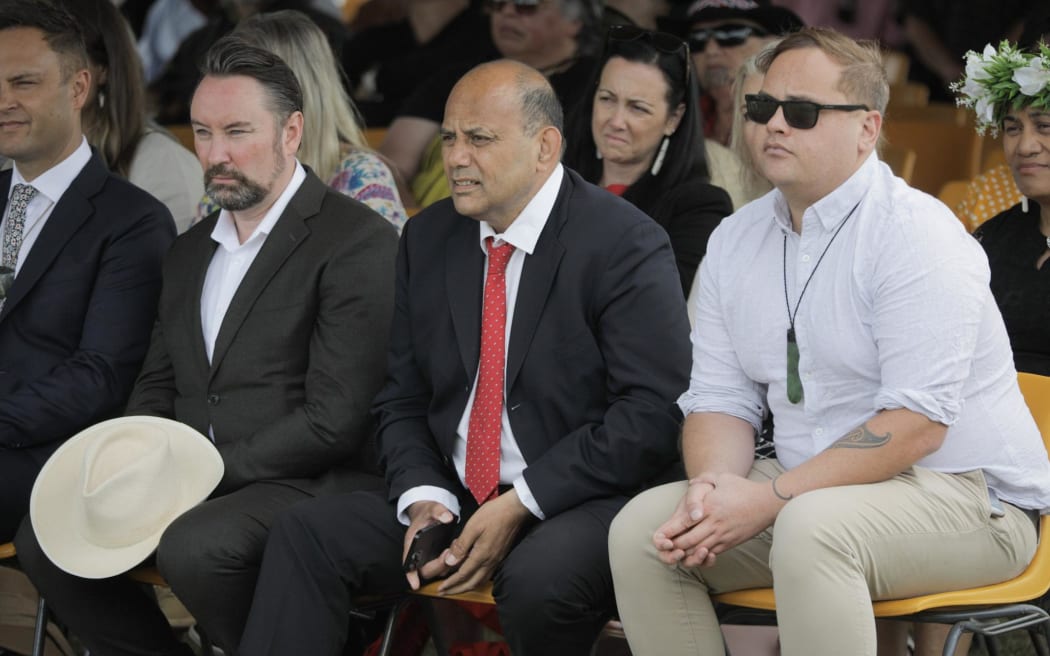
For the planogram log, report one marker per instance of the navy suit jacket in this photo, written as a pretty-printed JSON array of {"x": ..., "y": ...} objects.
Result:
[
  {"x": 76, "y": 323},
  {"x": 598, "y": 354}
]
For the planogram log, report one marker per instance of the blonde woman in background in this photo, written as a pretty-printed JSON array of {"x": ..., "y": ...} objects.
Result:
[
  {"x": 333, "y": 144},
  {"x": 115, "y": 120},
  {"x": 748, "y": 80}
]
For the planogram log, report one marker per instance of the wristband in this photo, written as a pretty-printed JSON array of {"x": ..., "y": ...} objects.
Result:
[{"x": 780, "y": 496}]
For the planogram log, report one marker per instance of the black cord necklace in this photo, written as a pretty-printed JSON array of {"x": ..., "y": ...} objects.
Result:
[{"x": 794, "y": 382}]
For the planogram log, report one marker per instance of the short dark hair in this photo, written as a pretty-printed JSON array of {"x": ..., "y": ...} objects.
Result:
[
  {"x": 61, "y": 31},
  {"x": 232, "y": 55},
  {"x": 540, "y": 106}
]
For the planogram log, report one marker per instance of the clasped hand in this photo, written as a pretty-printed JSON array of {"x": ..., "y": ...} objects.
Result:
[
  {"x": 717, "y": 512},
  {"x": 481, "y": 546}
]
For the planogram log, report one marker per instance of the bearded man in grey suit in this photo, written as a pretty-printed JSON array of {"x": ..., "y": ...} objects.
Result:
[{"x": 270, "y": 339}]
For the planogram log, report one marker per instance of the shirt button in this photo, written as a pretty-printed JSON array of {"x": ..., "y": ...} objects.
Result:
[
  {"x": 819, "y": 432},
  {"x": 805, "y": 258},
  {"x": 213, "y": 399}
]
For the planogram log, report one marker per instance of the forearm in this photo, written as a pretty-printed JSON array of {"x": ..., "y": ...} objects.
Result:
[
  {"x": 715, "y": 443},
  {"x": 884, "y": 446}
]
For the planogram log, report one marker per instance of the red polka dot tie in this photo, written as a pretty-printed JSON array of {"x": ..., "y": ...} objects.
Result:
[{"x": 483, "y": 431}]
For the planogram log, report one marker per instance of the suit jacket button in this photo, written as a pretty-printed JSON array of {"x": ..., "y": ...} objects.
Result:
[{"x": 213, "y": 399}]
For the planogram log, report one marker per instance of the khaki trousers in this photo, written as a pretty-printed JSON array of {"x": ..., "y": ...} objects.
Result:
[{"x": 829, "y": 553}]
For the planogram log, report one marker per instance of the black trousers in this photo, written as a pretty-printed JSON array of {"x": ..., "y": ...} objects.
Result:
[
  {"x": 18, "y": 471},
  {"x": 210, "y": 555},
  {"x": 553, "y": 591}
]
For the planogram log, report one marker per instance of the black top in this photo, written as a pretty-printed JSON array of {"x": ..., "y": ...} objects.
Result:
[
  {"x": 689, "y": 213},
  {"x": 1013, "y": 243}
]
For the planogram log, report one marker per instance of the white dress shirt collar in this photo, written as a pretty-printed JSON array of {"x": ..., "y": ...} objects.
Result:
[
  {"x": 225, "y": 230},
  {"x": 53, "y": 182},
  {"x": 831, "y": 210},
  {"x": 525, "y": 230}
]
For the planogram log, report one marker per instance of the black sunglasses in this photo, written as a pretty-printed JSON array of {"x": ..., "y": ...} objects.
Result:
[
  {"x": 726, "y": 36},
  {"x": 521, "y": 7},
  {"x": 7, "y": 278},
  {"x": 799, "y": 114},
  {"x": 662, "y": 41}
]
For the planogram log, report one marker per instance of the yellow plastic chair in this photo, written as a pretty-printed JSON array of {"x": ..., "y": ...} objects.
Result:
[
  {"x": 989, "y": 610},
  {"x": 900, "y": 159},
  {"x": 952, "y": 194}
]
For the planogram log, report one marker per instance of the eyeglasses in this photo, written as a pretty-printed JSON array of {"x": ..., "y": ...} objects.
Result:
[
  {"x": 726, "y": 36},
  {"x": 799, "y": 114},
  {"x": 521, "y": 7},
  {"x": 7, "y": 278},
  {"x": 662, "y": 41}
]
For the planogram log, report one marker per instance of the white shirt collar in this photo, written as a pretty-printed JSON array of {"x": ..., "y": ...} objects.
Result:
[
  {"x": 525, "y": 230},
  {"x": 835, "y": 207},
  {"x": 53, "y": 182},
  {"x": 225, "y": 231}
]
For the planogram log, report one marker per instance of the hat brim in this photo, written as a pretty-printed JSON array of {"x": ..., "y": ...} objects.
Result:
[{"x": 52, "y": 508}]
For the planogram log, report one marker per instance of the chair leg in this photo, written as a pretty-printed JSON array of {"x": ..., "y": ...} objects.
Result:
[
  {"x": 388, "y": 628},
  {"x": 40, "y": 630}
]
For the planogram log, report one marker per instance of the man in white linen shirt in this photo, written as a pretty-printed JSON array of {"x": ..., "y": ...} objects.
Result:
[
  {"x": 857, "y": 311},
  {"x": 270, "y": 338}
]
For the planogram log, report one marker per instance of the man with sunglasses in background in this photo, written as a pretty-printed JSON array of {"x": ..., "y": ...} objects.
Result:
[
  {"x": 856, "y": 310},
  {"x": 722, "y": 34}
]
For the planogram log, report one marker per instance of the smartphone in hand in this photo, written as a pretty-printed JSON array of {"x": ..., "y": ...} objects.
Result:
[{"x": 428, "y": 543}]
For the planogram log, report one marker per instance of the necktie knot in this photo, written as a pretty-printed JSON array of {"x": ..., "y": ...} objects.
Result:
[{"x": 498, "y": 256}]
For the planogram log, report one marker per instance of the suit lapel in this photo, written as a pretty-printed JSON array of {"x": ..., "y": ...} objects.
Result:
[
  {"x": 464, "y": 267},
  {"x": 200, "y": 257},
  {"x": 71, "y": 211},
  {"x": 287, "y": 234},
  {"x": 537, "y": 277}
]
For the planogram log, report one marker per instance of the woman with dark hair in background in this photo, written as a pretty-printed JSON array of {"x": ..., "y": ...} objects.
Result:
[
  {"x": 115, "y": 120},
  {"x": 638, "y": 135}
]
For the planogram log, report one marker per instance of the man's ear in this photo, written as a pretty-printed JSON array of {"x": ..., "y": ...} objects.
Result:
[
  {"x": 550, "y": 140},
  {"x": 870, "y": 130},
  {"x": 80, "y": 84},
  {"x": 293, "y": 132}
]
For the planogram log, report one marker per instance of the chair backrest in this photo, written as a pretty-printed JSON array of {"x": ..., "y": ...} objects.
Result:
[
  {"x": 183, "y": 133},
  {"x": 908, "y": 94},
  {"x": 900, "y": 159},
  {"x": 1036, "y": 391},
  {"x": 952, "y": 194},
  {"x": 374, "y": 137},
  {"x": 945, "y": 143}
]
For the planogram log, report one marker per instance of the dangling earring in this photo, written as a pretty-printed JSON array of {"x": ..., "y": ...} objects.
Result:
[
  {"x": 597, "y": 153},
  {"x": 1024, "y": 204},
  {"x": 659, "y": 161},
  {"x": 101, "y": 99}
]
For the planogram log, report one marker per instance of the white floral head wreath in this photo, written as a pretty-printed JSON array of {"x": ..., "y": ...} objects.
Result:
[{"x": 997, "y": 81}]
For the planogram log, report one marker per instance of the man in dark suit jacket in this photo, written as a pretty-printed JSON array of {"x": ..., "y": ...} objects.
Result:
[
  {"x": 84, "y": 252},
  {"x": 270, "y": 335},
  {"x": 593, "y": 322}
]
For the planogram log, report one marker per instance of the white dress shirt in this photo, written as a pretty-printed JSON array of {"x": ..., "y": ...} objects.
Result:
[
  {"x": 232, "y": 260},
  {"x": 897, "y": 315},
  {"x": 49, "y": 185},
  {"x": 523, "y": 234}
]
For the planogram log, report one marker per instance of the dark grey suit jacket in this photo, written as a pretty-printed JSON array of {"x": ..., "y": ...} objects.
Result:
[{"x": 299, "y": 355}]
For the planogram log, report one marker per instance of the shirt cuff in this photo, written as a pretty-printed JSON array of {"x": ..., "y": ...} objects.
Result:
[
  {"x": 526, "y": 498},
  {"x": 425, "y": 493}
]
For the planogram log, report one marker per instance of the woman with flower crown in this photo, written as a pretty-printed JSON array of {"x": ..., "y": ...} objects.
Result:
[{"x": 1009, "y": 88}]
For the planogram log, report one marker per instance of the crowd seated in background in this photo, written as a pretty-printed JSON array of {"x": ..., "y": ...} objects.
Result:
[
  {"x": 115, "y": 120},
  {"x": 558, "y": 38},
  {"x": 638, "y": 134}
]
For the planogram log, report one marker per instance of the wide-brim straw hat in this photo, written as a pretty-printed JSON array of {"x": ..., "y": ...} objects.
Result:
[{"x": 103, "y": 499}]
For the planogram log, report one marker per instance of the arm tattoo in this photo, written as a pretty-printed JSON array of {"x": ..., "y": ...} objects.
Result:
[{"x": 861, "y": 438}]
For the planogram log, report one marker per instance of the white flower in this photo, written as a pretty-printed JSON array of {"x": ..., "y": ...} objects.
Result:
[
  {"x": 1033, "y": 78},
  {"x": 985, "y": 110}
]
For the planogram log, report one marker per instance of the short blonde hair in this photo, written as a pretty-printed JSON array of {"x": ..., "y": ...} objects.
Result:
[{"x": 863, "y": 78}]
